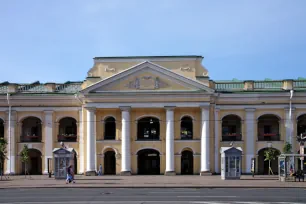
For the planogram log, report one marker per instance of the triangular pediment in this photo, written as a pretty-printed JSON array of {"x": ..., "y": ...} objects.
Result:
[{"x": 147, "y": 77}]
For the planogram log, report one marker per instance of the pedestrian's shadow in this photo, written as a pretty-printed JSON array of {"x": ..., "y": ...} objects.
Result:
[{"x": 106, "y": 179}]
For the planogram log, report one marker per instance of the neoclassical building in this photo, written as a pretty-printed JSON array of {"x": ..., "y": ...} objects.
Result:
[{"x": 150, "y": 115}]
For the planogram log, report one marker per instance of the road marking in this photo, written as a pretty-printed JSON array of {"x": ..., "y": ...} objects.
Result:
[{"x": 207, "y": 196}]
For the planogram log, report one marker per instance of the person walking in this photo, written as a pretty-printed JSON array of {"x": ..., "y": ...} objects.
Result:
[
  {"x": 100, "y": 170},
  {"x": 70, "y": 175}
]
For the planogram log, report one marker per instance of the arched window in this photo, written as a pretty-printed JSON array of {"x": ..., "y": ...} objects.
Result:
[
  {"x": 301, "y": 125},
  {"x": 67, "y": 130},
  {"x": 268, "y": 128},
  {"x": 1, "y": 128},
  {"x": 186, "y": 128},
  {"x": 110, "y": 129},
  {"x": 148, "y": 129},
  {"x": 31, "y": 130},
  {"x": 231, "y": 128}
]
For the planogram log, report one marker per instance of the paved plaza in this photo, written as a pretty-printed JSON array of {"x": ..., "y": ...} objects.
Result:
[{"x": 161, "y": 181}]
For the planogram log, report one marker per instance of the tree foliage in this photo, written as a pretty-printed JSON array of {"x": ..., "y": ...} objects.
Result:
[
  {"x": 25, "y": 158},
  {"x": 3, "y": 152},
  {"x": 270, "y": 154},
  {"x": 287, "y": 149}
]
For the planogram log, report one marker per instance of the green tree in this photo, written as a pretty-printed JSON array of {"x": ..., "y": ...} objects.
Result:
[
  {"x": 270, "y": 154},
  {"x": 25, "y": 158},
  {"x": 3, "y": 152},
  {"x": 287, "y": 149}
]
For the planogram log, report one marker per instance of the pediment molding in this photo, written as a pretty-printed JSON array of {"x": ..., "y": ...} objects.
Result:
[{"x": 148, "y": 82}]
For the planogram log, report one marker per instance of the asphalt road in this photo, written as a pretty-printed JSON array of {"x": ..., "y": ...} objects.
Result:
[{"x": 151, "y": 196}]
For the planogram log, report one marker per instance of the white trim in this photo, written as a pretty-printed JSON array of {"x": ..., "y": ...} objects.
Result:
[
  {"x": 228, "y": 114},
  {"x": 187, "y": 141},
  {"x": 147, "y": 141},
  {"x": 108, "y": 116},
  {"x": 193, "y": 152},
  {"x": 41, "y": 109},
  {"x": 58, "y": 118},
  {"x": 157, "y": 59},
  {"x": 153, "y": 67},
  {"x": 266, "y": 148},
  {"x": 109, "y": 141},
  {"x": 264, "y": 106},
  {"x": 2, "y": 120},
  {"x": 187, "y": 115},
  {"x": 28, "y": 116},
  {"x": 269, "y": 113},
  {"x": 29, "y": 143},
  {"x": 300, "y": 114},
  {"x": 147, "y": 105},
  {"x": 146, "y": 116},
  {"x": 109, "y": 147},
  {"x": 148, "y": 148}
]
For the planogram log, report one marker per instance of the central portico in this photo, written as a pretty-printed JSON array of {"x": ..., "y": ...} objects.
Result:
[{"x": 137, "y": 113}]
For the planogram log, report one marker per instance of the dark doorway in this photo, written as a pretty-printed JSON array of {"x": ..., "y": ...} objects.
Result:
[
  {"x": 187, "y": 163},
  {"x": 263, "y": 166},
  {"x": 35, "y": 163},
  {"x": 110, "y": 163},
  {"x": 148, "y": 162},
  {"x": 75, "y": 164}
]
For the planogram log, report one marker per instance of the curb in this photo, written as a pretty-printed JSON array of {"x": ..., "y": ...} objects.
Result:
[{"x": 211, "y": 187}]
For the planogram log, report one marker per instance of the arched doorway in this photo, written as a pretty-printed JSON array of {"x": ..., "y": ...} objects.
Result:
[
  {"x": 263, "y": 166},
  {"x": 34, "y": 165},
  {"x": 187, "y": 163},
  {"x": 110, "y": 163},
  {"x": 148, "y": 162}
]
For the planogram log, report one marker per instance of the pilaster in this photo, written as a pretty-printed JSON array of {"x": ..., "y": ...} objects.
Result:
[
  {"x": 205, "y": 142},
  {"x": 170, "y": 141}
]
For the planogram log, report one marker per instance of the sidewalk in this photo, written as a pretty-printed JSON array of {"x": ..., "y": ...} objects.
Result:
[{"x": 178, "y": 181}]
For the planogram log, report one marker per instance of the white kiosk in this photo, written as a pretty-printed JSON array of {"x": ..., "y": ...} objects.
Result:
[
  {"x": 230, "y": 162},
  {"x": 63, "y": 158}
]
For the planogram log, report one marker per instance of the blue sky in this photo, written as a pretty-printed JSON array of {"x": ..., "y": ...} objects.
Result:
[{"x": 244, "y": 39}]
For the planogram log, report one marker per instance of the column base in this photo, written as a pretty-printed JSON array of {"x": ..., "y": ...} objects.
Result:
[
  {"x": 205, "y": 173},
  {"x": 125, "y": 173},
  {"x": 90, "y": 173},
  {"x": 170, "y": 173}
]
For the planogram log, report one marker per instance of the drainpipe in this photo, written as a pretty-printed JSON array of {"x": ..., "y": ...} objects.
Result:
[
  {"x": 290, "y": 116},
  {"x": 81, "y": 142},
  {"x": 9, "y": 135}
]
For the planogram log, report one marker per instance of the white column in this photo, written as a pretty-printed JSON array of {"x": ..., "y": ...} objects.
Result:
[
  {"x": 217, "y": 140},
  {"x": 125, "y": 142},
  {"x": 170, "y": 141},
  {"x": 48, "y": 138},
  {"x": 250, "y": 147},
  {"x": 289, "y": 125},
  {"x": 81, "y": 143},
  {"x": 11, "y": 140},
  {"x": 91, "y": 142},
  {"x": 205, "y": 141}
]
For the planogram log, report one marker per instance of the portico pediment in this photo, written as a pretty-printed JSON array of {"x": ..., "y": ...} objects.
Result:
[{"x": 147, "y": 77}]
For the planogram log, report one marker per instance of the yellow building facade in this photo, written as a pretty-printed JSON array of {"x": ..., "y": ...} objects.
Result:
[{"x": 150, "y": 115}]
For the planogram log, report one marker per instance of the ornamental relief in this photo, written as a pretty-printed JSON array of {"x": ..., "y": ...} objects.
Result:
[{"x": 146, "y": 83}]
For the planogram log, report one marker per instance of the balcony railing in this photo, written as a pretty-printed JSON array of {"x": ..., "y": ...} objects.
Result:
[
  {"x": 67, "y": 138},
  {"x": 33, "y": 138},
  {"x": 231, "y": 137},
  {"x": 269, "y": 137}
]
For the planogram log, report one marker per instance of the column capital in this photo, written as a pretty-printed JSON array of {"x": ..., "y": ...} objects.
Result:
[
  {"x": 91, "y": 109},
  {"x": 170, "y": 108},
  {"x": 48, "y": 112},
  {"x": 288, "y": 109},
  {"x": 125, "y": 108},
  {"x": 250, "y": 109},
  {"x": 204, "y": 107}
]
